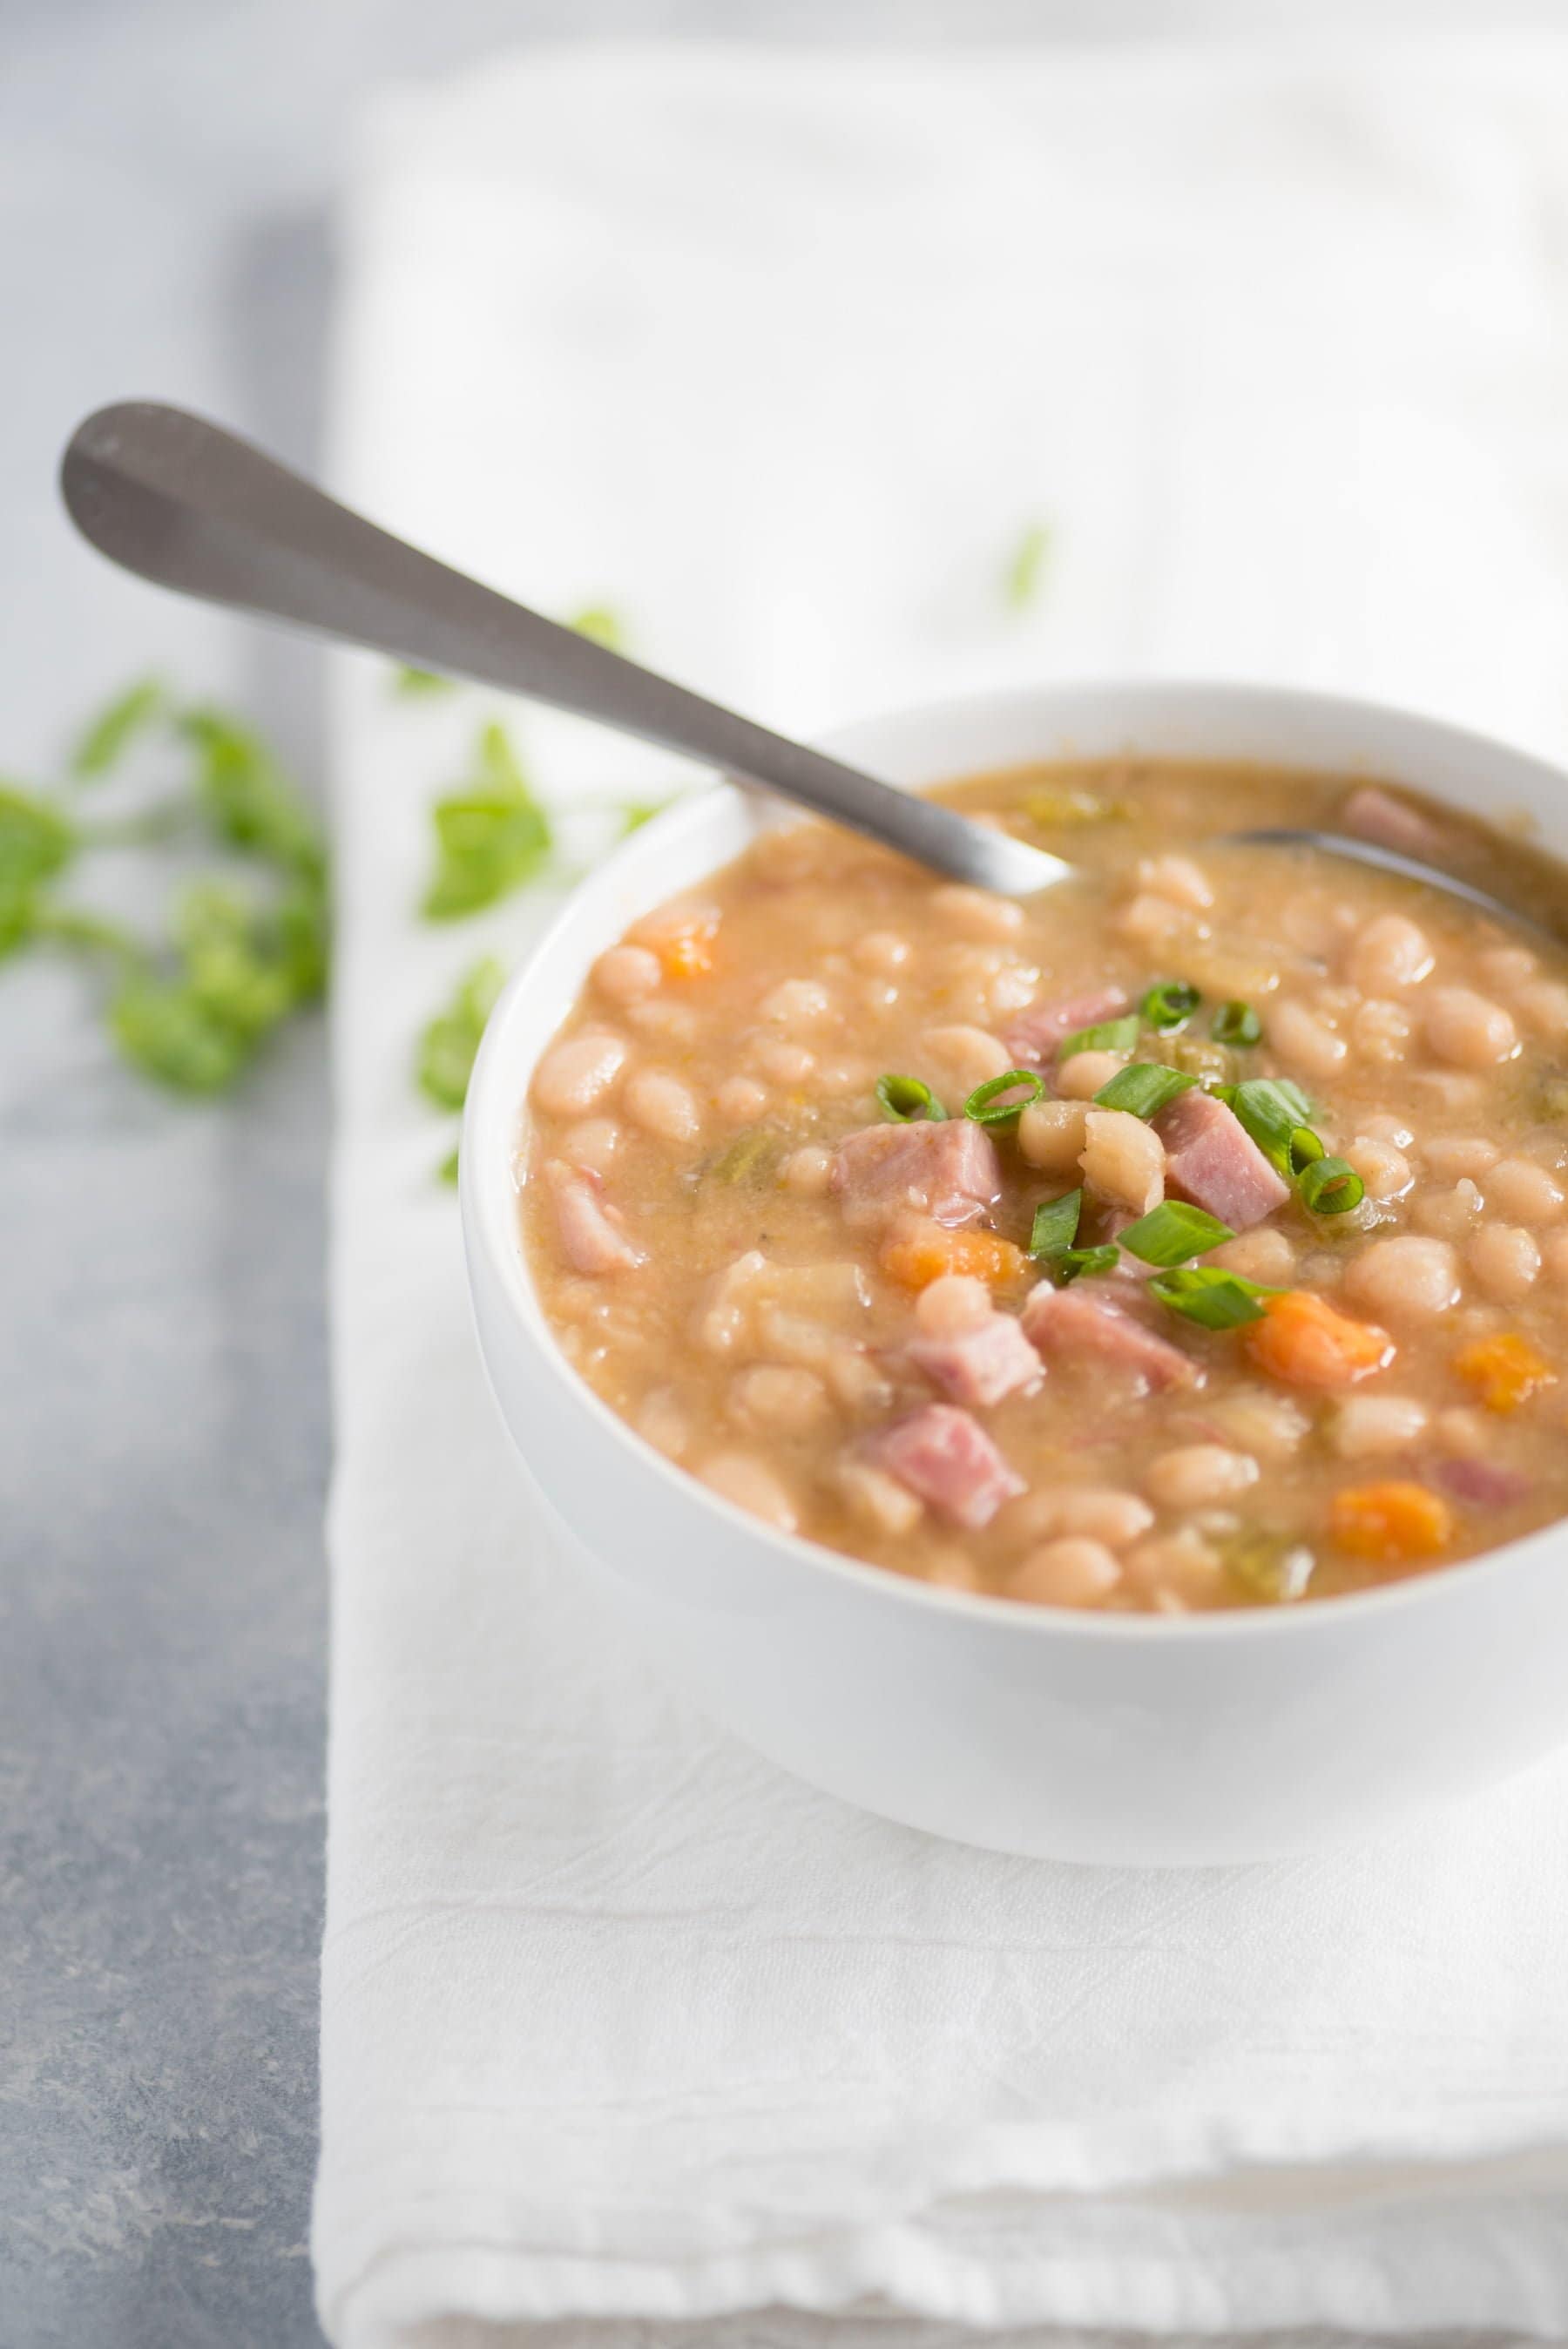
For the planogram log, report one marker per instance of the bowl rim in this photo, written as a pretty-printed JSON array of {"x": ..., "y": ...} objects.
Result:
[{"x": 498, "y": 1096}]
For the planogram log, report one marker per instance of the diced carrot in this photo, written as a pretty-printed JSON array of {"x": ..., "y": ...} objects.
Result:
[
  {"x": 1505, "y": 1371},
  {"x": 1391, "y": 1524},
  {"x": 685, "y": 950},
  {"x": 919, "y": 1254},
  {"x": 1303, "y": 1340}
]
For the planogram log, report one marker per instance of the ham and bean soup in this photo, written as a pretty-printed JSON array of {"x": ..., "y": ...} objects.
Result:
[{"x": 1194, "y": 1235}]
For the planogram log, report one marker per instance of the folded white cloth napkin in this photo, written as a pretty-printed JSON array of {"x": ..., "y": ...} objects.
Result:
[{"x": 782, "y": 353}]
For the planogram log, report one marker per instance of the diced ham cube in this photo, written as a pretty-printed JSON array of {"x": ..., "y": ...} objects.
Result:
[
  {"x": 1486, "y": 1482},
  {"x": 1376, "y": 815},
  {"x": 1080, "y": 1322},
  {"x": 1033, "y": 1037},
  {"x": 948, "y": 1459},
  {"x": 946, "y": 1169},
  {"x": 590, "y": 1231},
  {"x": 980, "y": 1365},
  {"x": 1212, "y": 1161}
]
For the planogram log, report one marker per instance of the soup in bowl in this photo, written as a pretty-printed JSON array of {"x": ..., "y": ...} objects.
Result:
[{"x": 1026, "y": 1365}]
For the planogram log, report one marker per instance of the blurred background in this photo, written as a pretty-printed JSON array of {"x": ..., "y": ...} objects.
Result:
[{"x": 168, "y": 170}]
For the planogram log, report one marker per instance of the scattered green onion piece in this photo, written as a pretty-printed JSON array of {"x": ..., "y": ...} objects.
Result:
[
  {"x": 115, "y": 729},
  {"x": 1143, "y": 1088},
  {"x": 986, "y": 1106},
  {"x": 1025, "y": 567},
  {"x": 1329, "y": 1187},
  {"x": 1056, "y": 1225},
  {"x": 1111, "y": 1036},
  {"x": 907, "y": 1101},
  {"x": 1236, "y": 1023},
  {"x": 1213, "y": 1299},
  {"x": 1068, "y": 1266},
  {"x": 1173, "y": 1233},
  {"x": 1292, "y": 1095},
  {"x": 1170, "y": 1004}
]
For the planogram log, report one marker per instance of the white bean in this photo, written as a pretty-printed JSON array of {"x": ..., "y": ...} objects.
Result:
[
  {"x": 661, "y": 1106},
  {"x": 1505, "y": 1259},
  {"x": 1449, "y": 1156},
  {"x": 1150, "y": 917},
  {"x": 781, "y": 1062},
  {"x": 809, "y": 1171},
  {"x": 627, "y": 974},
  {"x": 662, "y": 1421},
  {"x": 1468, "y": 1030},
  {"x": 1051, "y": 1135},
  {"x": 1074, "y": 1572},
  {"x": 1174, "y": 1572},
  {"x": 1381, "y": 1030},
  {"x": 1191, "y": 1475},
  {"x": 577, "y": 1072},
  {"x": 1506, "y": 967},
  {"x": 1266, "y": 1424},
  {"x": 954, "y": 1302},
  {"x": 1523, "y": 1191},
  {"x": 673, "y": 1023},
  {"x": 1464, "y": 1432},
  {"x": 1386, "y": 1172},
  {"x": 741, "y": 1479},
  {"x": 780, "y": 1400},
  {"x": 1304, "y": 1042},
  {"x": 1081, "y": 1078},
  {"x": 976, "y": 913},
  {"x": 1386, "y": 1128},
  {"x": 1390, "y": 952},
  {"x": 1258, "y": 1255},
  {"x": 1449, "y": 1214},
  {"x": 740, "y": 1101},
  {"x": 960, "y": 1059},
  {"x": 797, "y": 1003},
  {"x": 1098, "y": 1512},
  {"x": 1404, "y": 1279},
  {"x": 1123, "y": 1159},
  {"x": 882, "y": 952},
  {"x": 1554, "y": 1255},
  {"x": 879, "y": 1500},
  {"x": 1543, "y": 1007},
  {"x": 592, "y": 1143},
  {"x": 1366, "y": 1426},
  {"x": 1178, "y": 878}
]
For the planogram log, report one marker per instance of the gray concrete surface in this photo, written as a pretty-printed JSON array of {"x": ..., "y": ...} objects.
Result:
[{"x": 166, "y": 173}]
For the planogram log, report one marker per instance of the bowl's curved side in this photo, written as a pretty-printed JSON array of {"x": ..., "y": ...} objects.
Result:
[{"x": 1126, "y": 1739}]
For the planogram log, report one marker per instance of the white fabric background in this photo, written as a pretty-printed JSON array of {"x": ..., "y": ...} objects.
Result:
[{"x": 780, "y": 356}]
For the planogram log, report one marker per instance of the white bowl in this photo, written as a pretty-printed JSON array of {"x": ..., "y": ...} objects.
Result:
[{"x": 1119, "y": 1739}]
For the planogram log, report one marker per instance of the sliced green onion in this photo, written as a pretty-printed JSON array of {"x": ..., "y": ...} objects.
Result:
[
  {"x": 1236, "y": 1023},
  {"x": 986, "y": 1105},
  {"x": 1111, "y": 1036},
  {"x": 1076, "y": 1260},
  {"x": 1170, "y": 1004},
  {"x": 1305, "y": 1149},
  {"x": 1173, "y": 1233},
  {"x": 1143, "y": 1088},
  {"x": 1056, "y": 1225},
  {"x": 1330, "y": 1185},
  {"x": 906, "y": 1100},
  {"x": 1214, "y": 1299},
  {"x": 1272, "y": 1110}
]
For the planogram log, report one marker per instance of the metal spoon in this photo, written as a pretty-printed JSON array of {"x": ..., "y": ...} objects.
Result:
[{"x": 190, "y": 506}]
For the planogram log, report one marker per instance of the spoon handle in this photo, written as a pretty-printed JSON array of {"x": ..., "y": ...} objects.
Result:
[{"x": 190, "y": 506}]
